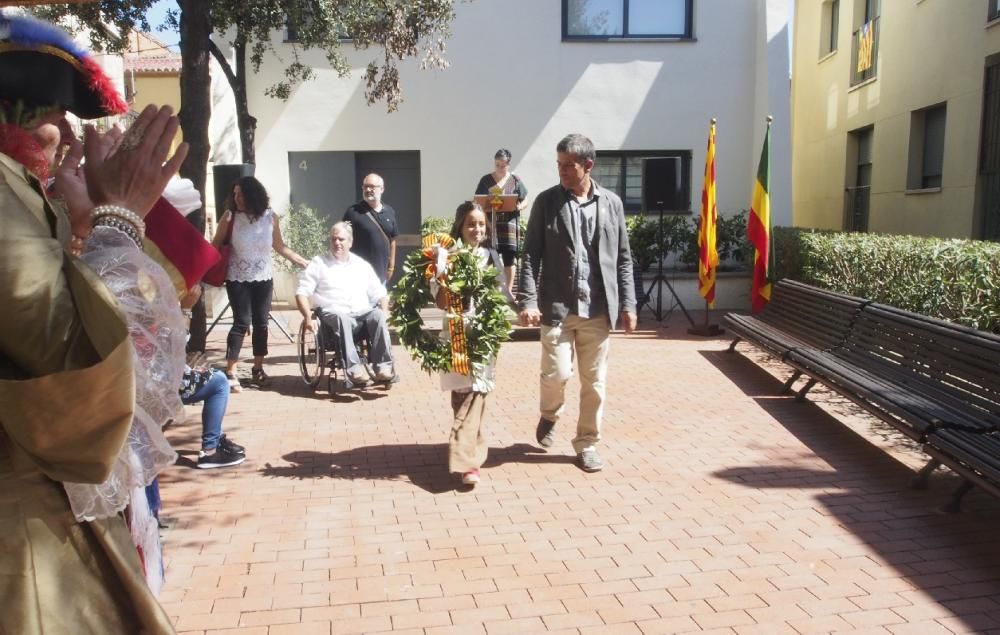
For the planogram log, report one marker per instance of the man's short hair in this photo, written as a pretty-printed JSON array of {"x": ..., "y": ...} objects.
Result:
[
  {"x": 343, "y": 226},
  {"x": 578, "y": 145}
]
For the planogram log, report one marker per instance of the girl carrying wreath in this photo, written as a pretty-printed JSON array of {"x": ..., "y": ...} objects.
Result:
[{"x": 468, "y": 283}]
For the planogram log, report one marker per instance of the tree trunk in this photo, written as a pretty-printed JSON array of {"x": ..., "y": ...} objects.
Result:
[
  {"x": 245, "y": 122},
  {"x": 196, "y": 95},
  {"x": 196, "y": 109}
]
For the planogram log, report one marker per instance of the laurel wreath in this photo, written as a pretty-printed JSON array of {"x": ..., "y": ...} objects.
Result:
[{"x": 486, "y": 328}]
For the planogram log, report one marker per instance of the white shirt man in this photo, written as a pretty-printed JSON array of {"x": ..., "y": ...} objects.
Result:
[{"x": 351, "y": 300}]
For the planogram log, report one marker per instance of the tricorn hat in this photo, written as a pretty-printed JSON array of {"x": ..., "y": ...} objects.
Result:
[{"x": 41, "y": 66}]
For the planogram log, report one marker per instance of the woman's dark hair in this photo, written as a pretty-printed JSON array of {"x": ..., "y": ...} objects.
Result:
[
  {"x": 464, "y": 210},
  {"x": 254, "y": 197},
  {"x": 503, "y": 153}
]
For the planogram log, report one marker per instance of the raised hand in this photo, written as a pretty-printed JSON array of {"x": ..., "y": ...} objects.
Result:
[
  {"x": 131, "y": 170},
  {"x": 71, "y": 187}
]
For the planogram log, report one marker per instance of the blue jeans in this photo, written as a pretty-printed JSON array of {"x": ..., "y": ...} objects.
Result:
[{"x": 215, "y": 394}]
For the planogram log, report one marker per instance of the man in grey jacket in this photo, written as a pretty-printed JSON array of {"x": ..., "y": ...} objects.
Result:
[{"x": 576, "y": 278}]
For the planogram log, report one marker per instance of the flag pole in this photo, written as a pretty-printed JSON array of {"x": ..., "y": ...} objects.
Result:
[{"x": 707, "y": 252}]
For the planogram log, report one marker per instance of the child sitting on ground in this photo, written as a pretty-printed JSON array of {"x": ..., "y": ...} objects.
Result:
[{"x": 212, "y": 387}]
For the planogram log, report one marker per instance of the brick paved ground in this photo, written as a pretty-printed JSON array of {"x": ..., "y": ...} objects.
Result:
[{"x": 723, "y": 509}]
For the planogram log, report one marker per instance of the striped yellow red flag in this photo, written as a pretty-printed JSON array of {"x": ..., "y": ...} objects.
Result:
[
  {"x": 708, "y": 254},
  {"x": 759, "y": 229}
]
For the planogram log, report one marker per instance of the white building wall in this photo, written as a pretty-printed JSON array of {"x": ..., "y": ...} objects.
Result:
[{"x": 513, "y": 83}]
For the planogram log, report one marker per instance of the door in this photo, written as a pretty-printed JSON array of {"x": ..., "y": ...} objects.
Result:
[
  {"x": 400, "y": 171},
  {"x": 988, "y": 182},
  {"x": 324, "y": 181},
  {"x": 859, "y": 186},
  {"x": 330, "y": 182}
]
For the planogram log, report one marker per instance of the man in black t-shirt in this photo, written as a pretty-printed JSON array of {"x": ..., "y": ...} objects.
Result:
[{"x": 375, "y": 229}]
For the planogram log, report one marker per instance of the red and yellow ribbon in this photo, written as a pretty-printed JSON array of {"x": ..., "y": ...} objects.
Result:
[{"x": 434, "y": 249}]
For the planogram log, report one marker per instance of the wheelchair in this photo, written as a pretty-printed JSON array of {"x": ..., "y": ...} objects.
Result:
[{"x": 319, "y": 356}]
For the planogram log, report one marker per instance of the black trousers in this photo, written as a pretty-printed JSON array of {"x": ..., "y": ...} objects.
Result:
[{"x": 250, "y": 303}]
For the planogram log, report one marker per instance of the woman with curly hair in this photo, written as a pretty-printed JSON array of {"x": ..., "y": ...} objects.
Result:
[{"x": 252, "y": 229}]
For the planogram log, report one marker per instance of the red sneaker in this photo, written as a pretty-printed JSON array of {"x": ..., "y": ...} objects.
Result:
[{"x": 471, "y": 477}]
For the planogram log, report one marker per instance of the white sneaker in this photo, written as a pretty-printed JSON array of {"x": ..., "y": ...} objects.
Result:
[
  {"x": 234, "y": 383},
  {"x": 358, "y": 376},
  {"x": 385, "y": 373}
]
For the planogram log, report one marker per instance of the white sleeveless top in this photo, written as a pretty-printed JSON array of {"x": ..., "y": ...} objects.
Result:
[{"x": 250, "y": 258}]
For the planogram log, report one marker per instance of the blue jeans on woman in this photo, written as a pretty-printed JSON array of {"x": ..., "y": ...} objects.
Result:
[{"x": 215, "y": 394}]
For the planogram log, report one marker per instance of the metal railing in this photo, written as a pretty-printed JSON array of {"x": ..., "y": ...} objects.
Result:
[
  {"x": 864, "y": 52},
  {"x": 856, "y": 214}
]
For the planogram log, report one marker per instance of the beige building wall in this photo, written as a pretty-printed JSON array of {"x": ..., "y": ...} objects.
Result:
[
  {"x": 162, "y": 90},
  {"x": 158, "y": 89},
  {"x": 929, "y": 53}
]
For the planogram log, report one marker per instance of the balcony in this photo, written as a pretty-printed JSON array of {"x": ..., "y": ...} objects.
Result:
[{"x": 864, "y": 52}]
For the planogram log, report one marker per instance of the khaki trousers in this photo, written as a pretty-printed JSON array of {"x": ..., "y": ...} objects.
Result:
[
  {"x": 588, "y": 340},
  {"x": 467, "y": 447}
]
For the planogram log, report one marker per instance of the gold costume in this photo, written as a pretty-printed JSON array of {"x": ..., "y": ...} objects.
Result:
[{"x": 67, "y": 389}]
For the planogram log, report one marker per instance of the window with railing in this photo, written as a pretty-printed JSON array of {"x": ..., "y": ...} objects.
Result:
[
  {"x": 864, "y": 52},
  {"x": 993, "y": 10},
  {"x": 626, "y": 19}
]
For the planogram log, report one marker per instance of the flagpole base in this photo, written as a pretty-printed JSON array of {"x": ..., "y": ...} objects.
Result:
[{"x": 706, "y": 330}]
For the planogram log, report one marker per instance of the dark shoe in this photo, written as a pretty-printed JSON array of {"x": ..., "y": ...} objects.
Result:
[
  {"x": 233, "y": 448},
  {"x": 258, "y": 376},
  {"x": 545, "y": 432},
  {"x": 589, "y": 461},
  {"x": 219, "y": 457}
]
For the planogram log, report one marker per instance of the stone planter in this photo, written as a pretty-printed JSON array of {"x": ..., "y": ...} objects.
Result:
[{"x": 732, "y": 289}]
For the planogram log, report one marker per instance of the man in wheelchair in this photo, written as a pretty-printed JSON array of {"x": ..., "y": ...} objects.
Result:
[{"x": 350, "y": 302}]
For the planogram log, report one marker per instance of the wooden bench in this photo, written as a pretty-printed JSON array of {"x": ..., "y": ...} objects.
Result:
[
  {"x": 798, "y": 317},
  {"x": 935, "y": 381}
]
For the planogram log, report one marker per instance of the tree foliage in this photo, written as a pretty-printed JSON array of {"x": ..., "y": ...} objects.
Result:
[
  {"x": 400, "y": 28},
  {"x": 123, "y": 16}
]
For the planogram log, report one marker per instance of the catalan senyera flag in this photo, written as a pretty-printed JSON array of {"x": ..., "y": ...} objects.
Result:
[
  {"x": 177, "y": 246},
  {"x": 866, "y": 46},
  {"x": 708, "y": 254},
  {"x": 759, "y": 230}
]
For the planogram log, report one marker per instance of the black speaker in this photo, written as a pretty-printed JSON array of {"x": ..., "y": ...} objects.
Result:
[
  {"x": 223, "y": 177},
  {"x": 661, "y": 185}
]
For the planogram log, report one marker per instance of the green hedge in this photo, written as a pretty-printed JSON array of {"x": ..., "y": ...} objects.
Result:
[{"x": 955, "y": 280}]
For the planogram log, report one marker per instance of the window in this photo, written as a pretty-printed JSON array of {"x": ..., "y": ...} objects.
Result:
[
  {"x": 859, "y": 184},
  {"x": 633, "y": 19},
  {"x": 926, "y": 148},
  {"x": 993, "y": 10},
  {"x": 829, "y": 27},
  {"x": 864, "y": 47},
  {"x": 621, "y": 172}
]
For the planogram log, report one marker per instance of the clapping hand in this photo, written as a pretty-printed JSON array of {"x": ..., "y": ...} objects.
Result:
[{"x": 131, "y": 170}]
